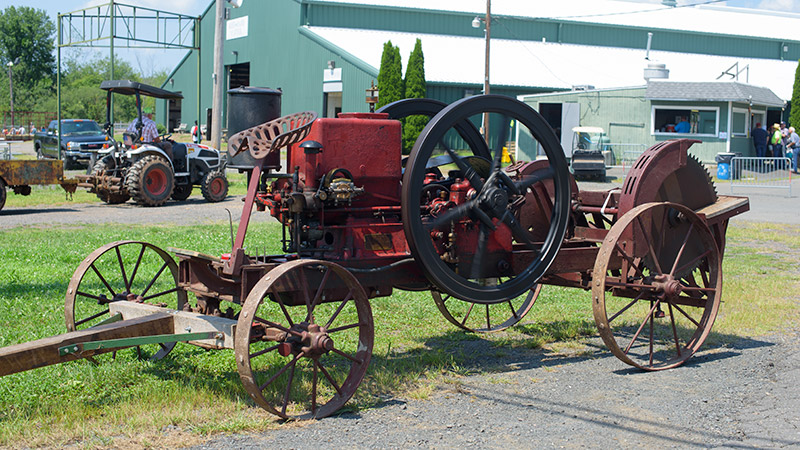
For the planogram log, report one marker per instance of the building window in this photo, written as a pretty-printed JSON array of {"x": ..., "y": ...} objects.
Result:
[
  {"x": 739, "y": 122},
  {"x": 700, "y": 121}
]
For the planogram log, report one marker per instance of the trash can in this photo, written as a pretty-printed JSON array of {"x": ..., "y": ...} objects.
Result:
[
  {"x": 249, "y": 106},
  {"x": 724, "y": 171}
]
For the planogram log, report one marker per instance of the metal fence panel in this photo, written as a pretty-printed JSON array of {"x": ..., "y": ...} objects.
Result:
[
  {"x": 765, "y": 173},
  {"x": 625, "y": 155}
]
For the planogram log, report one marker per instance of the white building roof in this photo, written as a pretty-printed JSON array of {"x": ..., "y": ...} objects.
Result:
[
  {"x": 702, "y": 18},
  {"x": 544, "y": 64}
]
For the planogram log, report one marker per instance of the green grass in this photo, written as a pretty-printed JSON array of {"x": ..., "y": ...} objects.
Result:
[{"x": 129, "y": 402}]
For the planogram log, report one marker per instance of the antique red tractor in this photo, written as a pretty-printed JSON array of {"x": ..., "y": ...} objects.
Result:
[{"x": 359, "y": 220}]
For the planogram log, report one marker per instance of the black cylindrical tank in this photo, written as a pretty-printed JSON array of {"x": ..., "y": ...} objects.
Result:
[{"x": 249, "y": 106}]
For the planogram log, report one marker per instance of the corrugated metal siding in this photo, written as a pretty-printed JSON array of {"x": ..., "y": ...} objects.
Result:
[
  {"x": 562, "y": 31},
  {"x": 279, "y": 57},
  {"x": 381, "y": 18}
]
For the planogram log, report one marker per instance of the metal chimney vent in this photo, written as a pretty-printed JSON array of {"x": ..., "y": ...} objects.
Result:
[{"x": 656, "y": 70}]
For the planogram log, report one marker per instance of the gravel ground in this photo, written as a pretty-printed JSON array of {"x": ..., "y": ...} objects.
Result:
[
  {"x": 743, "y": 395},
  {"x": 195, "y": 210}
]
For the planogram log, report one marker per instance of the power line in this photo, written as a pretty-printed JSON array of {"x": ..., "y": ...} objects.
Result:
[{"x": 707, "y": 2}]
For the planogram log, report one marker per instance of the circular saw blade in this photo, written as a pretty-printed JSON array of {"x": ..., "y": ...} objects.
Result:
[{"x": 691, "y": 186}]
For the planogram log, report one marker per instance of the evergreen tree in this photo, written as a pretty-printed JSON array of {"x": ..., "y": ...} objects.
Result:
[
  {"x": 390, "y": 75},
  {"x": 794, "y": 115},
  {"x": 415, "y": 88}
]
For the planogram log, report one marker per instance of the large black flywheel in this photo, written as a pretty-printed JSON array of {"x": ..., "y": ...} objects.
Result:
[{"x": 461, "y": 219}]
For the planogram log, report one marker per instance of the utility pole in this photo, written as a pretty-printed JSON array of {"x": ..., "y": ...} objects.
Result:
[
  {"x": 113, "y": 31},
  {"x": 487, "y": 34},
  {"x": 218, "y": 76},
  {"x": 486, "y": 71},
  {"x": 11, "y": 90}
]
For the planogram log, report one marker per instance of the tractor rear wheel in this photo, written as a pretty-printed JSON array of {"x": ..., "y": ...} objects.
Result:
[
  {"x": 214, "y": 187},
  {"x": 150, "y": 181},
  {"x": 112, "y": 198}
]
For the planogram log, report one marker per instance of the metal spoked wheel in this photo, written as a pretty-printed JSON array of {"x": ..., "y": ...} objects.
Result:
[
  {"x": 303, "y": 352},
  {"x": 657, "y": 286},
  {"x": 3, "y": 193},
  {"x": 471, "y": 243},
  {"x": 123, "y": 271},
  {"x": 487, "y": 318}
]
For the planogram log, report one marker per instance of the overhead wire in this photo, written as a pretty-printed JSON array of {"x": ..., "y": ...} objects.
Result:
[
  {"x": 523, "y": 41},
  {"x": 707, "y": 2}
]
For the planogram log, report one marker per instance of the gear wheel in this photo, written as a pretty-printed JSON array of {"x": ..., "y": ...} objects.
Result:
[{"x": 689, "y": 185}]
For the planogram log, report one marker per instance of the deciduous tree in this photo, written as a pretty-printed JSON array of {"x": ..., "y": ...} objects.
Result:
[{"x": 28, "y": 34}]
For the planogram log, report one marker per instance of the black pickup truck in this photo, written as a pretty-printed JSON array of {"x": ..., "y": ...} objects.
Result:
[{"x": 81, "y": 137}]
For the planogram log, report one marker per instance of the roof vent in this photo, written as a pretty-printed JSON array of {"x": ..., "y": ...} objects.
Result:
[
  {"x": 582, "y": 87},
  {"x": 671, "y": 3},
  {"x": 656, "y": 70}
]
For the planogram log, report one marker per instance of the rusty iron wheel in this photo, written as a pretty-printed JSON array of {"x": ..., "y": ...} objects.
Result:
[
  {"x": 123, "y": 271},
  {"x": 657, "y": 318},
  {"x": 477, "y": 250},
  {"x": 304, "y": 361},
  {"x": 486, "y": 318},
  {"x": 3, "y": 193}
]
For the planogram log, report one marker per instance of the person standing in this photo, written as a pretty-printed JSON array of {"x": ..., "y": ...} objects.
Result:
[
  {"x": 776, "y": 141},
  {"x": 683, "y": 126},
  {"x": 196, "y": 133},
  {"x": 759, "y": 136},
  {"x": 784, "y": 135},
  {"x": 793, "y": 145}
]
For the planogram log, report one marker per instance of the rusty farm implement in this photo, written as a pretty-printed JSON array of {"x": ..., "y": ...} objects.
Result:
[{"x": 359, "y": 220}]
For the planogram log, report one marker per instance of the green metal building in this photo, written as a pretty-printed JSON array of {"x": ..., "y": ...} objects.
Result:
[
  {"x": 642, "y": 116},
  {"x": 323, "y": 54}
]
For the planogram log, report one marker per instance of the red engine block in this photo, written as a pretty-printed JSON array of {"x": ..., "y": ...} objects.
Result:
[{"x": 342, "y": 202}]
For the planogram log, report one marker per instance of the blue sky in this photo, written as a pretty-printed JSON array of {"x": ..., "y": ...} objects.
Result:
[{"x": 149, "y": 60}]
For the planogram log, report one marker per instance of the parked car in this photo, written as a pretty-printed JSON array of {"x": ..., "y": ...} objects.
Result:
[{"x": 80, "y": 138}]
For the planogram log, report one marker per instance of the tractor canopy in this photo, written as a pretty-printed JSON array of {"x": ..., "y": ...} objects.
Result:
[{"x": 128, "y": 87}]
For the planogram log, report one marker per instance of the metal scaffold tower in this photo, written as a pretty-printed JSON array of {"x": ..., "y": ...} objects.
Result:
[{"x": 113, "y": 25}]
